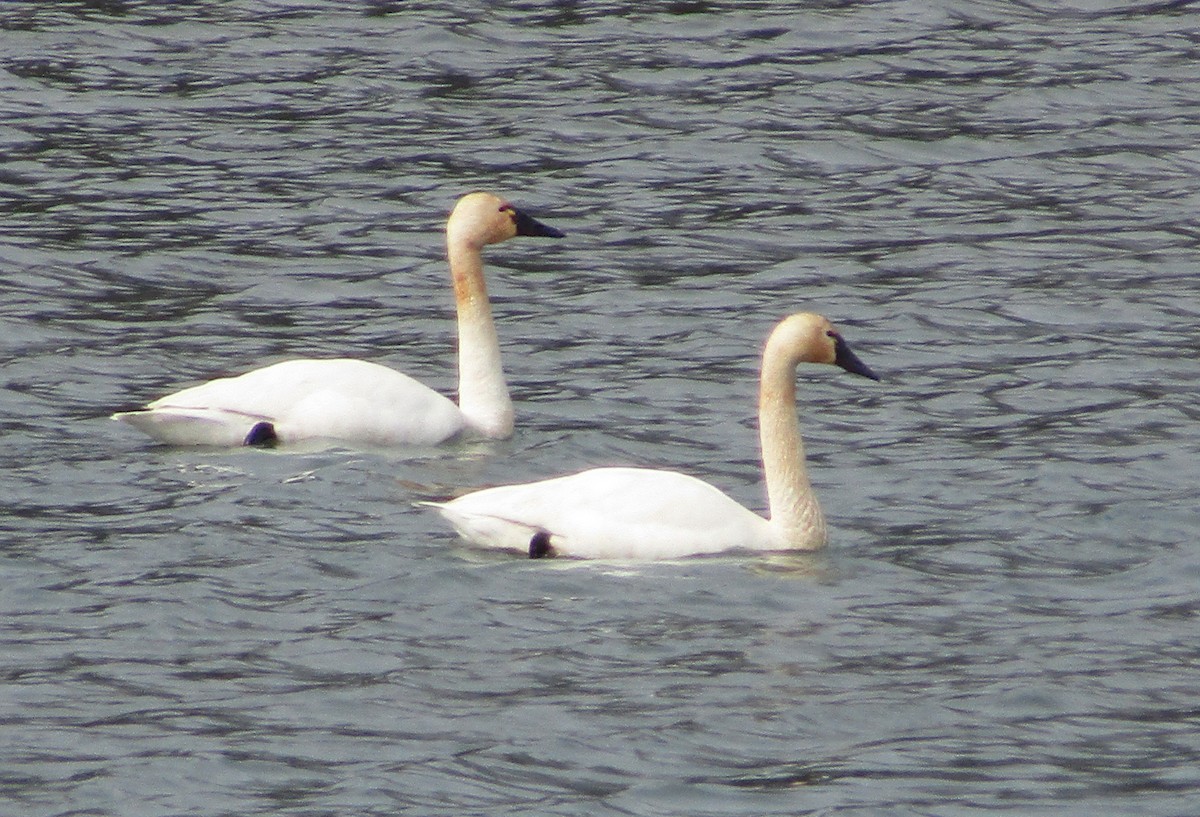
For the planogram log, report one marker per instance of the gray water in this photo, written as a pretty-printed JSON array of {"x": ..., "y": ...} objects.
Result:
[{"x": 997, "y": 204}]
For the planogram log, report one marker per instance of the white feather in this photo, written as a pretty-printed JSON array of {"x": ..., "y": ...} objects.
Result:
[
  {"x": 357, "y": 401},
  {"x": 639, "y": 513},
  {"x": 610, "y": 513}
]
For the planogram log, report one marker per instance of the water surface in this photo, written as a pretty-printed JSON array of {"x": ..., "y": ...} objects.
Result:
[{"x": 996, "y": 202}]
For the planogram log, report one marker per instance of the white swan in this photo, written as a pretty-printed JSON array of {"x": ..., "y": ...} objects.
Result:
[
  {"x": 358, "y": 401},
  {"x": 640, "y": 513}
]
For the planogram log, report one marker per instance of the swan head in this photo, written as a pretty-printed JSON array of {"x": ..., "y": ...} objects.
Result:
[
  {"x": 480, "y": 218},
  {"x": 810, "y": 338}
]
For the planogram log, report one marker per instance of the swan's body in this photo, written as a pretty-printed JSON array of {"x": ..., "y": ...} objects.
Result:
[
  {"x": 610, "y": 513},
  {"x": 639, "y": 513},
  {"x": 357, "y": 401},
  {"x": 339, "y": 399}
]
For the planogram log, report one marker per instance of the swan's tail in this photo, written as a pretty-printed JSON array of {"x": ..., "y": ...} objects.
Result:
[
  {"x": 492, "y": 531},
  {"x": 177, "y": 425}
]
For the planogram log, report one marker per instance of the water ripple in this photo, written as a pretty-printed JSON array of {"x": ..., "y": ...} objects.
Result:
[{"x": 996, "y": 204}]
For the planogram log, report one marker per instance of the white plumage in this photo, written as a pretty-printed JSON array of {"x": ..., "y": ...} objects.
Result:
[
  {"x": 608, "y": 513},
  {"x": 338, "y": 399},
  {"x": 358, "y": 401},
  {"x": 639, "y": 513}
]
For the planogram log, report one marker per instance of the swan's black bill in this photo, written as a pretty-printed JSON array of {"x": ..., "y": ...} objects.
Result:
[
  {"x": 528, "y": 225},
  {"x": 849, "y": 361}
]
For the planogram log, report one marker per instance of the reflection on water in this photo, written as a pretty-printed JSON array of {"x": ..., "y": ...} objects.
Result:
[{"x": 997, "y": 203}]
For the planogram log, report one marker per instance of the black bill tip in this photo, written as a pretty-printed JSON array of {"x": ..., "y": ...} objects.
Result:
[
  {"x": 848, "y": 360},
  {"x": 530, "y": 226}
]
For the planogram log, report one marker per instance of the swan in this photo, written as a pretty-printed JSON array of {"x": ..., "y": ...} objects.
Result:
[
  {"x": 355, "y": 400},
  {"x": 641, "y": 513}
]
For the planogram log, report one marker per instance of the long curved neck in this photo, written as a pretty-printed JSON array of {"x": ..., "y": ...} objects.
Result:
[
  {"x": 794, "y": 512},
  {"x": 482, "y": 390}
]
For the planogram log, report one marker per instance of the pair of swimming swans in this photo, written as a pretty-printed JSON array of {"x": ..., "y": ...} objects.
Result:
[{"x": 599, "y": 513}]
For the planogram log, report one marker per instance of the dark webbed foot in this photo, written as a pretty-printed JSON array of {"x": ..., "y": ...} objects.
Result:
[
  {"x": 539, "y": 545},
  {"x": 263, "y": 434}
]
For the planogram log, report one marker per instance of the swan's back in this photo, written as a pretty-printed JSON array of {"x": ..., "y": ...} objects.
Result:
[{"x": 611, "y": 513}]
